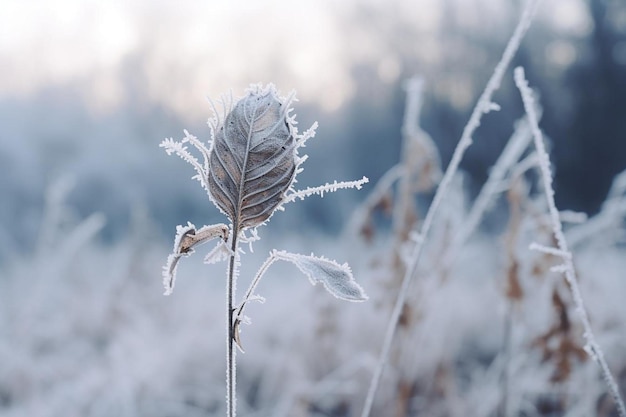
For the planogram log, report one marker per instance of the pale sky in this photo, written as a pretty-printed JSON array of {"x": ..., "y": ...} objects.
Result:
[
  {"x": 193, "y": 49},
  {"x": 204, "y": 47}
]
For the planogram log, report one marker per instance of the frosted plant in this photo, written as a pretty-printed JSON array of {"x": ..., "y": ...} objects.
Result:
[{"x": 249, "y": 170}]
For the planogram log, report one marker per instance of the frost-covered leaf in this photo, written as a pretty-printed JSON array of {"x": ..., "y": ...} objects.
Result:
[
  {"x": 186, "y": 238},
  {"x": 253, "y": 158},
  {"x": 336, "y": 278}
]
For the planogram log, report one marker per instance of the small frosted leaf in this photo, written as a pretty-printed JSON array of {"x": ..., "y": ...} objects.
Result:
[
  {"x": 186, "y": 238},
  {"x": 336, "y": 278},
  {"x": 236, "y": 334}
]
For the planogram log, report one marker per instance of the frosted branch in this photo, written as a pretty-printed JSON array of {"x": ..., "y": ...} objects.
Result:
[
  {"x": 178, "y": 148},
  {"x": 250, "y": 296},
  {"x": 465, "y": 141},
  {"x": 308, "y": 134},
  {"x": 550, "y": 250},
  {"x": 382, "y": 187},
  {"x": 514, "y": 148},
  {"x": 591, "y": 346},
  {"x": 561, "y": 268},
  {"x": 326, "y": 188},
  {"x": 199, "y": 146}
]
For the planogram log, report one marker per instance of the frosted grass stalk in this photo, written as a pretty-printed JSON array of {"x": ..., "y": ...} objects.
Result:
[
  {"x": 591, "y": 346},
  {"x": 509, "y": 156},
  {"x": 410, "y": 129},
  {"x": 484, "y": 105}
]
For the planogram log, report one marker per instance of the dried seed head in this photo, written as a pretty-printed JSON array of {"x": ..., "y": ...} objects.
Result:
[{"x": 253, "y": 159}]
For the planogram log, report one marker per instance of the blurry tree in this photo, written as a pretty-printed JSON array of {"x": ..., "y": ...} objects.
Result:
[{"x": 596, "y": 134}]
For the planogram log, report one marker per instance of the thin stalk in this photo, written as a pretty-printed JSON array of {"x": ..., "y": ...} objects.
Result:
[
  {"x": 410, "y": 128},
  {"x": 514, "y": 148},
  {"x": 231, "y": 364},
  {"x": 255, "y": 282},
  {"x": 484, "y": 105},
  {"x": 591, "y": 345},
  {"x": 508, "y": 335}
]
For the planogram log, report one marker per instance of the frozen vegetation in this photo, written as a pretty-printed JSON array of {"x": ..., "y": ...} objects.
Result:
[
  {"x": 489, "y": 329},
  {"x": 525, "y": 320}
]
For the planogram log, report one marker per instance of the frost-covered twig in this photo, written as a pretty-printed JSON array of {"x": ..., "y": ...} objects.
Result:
[
  {"x": 484, "y": 105},
  {"x": 178, "y": 148},
  {"x": 591, "y": 345},
  {"x": 326, "y": 188},
  {"x": 410, "y": 131},
  {"x": 550, "y": 250},
  {"x": 507, "y": 168},
  {"x": 514, "y": 148},
  {"x": 382, "y": 187}
]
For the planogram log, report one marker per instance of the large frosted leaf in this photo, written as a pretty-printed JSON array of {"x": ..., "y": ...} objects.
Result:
[
  {"x": 252, "y": 162},
  {"x": 336, "y": 278}
]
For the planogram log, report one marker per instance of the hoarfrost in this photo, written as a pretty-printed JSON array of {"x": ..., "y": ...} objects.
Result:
[
  {"x": 186, "y": 238},
  {"x": 336, "y": 278}
]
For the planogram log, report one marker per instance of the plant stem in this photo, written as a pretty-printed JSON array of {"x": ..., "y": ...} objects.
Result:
[
  {"x": 255, "y": 281},
  {"x": 231, "y": 364},
  {"x": 506, "y": 348}
]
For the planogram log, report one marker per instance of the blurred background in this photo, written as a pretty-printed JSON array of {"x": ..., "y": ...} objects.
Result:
[{"x": 88, "y": 90}]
